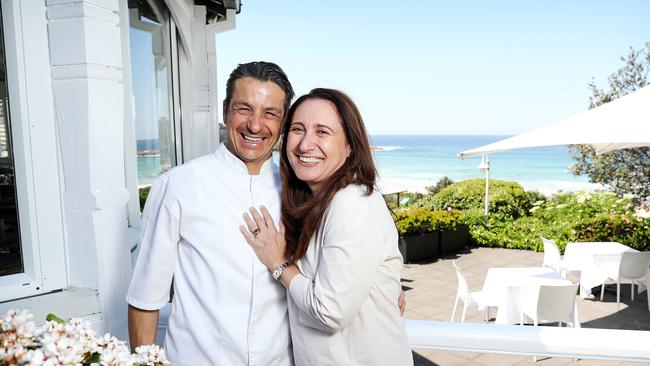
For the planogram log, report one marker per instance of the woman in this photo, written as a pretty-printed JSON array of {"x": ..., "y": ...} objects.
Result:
[{"x": 340, "y": 263}]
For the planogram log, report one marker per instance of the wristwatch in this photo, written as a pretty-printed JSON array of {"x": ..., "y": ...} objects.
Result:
[{"x": 277, "y": 271}]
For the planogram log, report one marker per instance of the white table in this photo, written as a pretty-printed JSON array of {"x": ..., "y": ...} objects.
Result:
[
  {"x": 596, "y": 261},
  {"x": 508, "y": 289}
]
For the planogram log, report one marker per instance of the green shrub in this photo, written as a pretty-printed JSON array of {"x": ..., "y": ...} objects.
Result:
[
  {"x": 441, "y": 184},
  {"x": 536, "y": 196},
  {"x": 412, "y": 221},
  {"x": 507, "y": 198},
  {"x": 581, "y": 206},
  {"x": 518, "y": 219},
  {"x": 420, "y": 220},
  {"x": 144, "y": 193},
  {"x": 565, "y": 217},
  {"x": 446, "y": 220},
  {"x": 625, "y": 229},
  {"x": 523, "y": 233}
]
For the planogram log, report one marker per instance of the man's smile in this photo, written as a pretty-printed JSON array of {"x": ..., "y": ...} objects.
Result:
[{"x": 251, "y": 138}]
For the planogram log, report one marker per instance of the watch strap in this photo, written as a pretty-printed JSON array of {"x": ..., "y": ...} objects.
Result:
[{"x": 277, "y": 271}]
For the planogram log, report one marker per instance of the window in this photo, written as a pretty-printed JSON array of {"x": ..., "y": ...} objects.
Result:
[
  {"x": 32, "y": 250},
  {"x": 11, "y": 261},
  {"x": 152, "y": 66}
]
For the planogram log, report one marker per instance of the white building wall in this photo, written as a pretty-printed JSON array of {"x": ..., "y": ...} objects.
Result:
[
  {"x": 86, "y": 59},
  {"x": 72, "y": 112}
]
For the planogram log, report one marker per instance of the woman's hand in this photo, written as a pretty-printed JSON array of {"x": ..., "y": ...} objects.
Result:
[
  {"x": 267, "y": 242},
  {"x": 401, "y": 303}
]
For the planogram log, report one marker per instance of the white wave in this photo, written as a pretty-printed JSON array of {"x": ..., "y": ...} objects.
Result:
[
  {"x": 412, "y": 183},
  {"x": 387, "y": 148}
]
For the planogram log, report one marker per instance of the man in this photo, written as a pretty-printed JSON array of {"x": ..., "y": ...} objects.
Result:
[{"x": 226, "y": 308}]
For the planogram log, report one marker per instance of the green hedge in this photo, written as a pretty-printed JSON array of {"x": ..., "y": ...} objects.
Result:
[
  {"x": 507, "y": 198},
  {"x": 522, "y": 233},
  {"x": 625, "y": 229},
  {"x": 566, "y": 217},
  {"x": 518, "y": 218},
  {"x": 421, "y": 220},
  {"x": 581, "y": 206},
  {"x": 143, "y": 192},
  {"x": 525, "y": 232}
]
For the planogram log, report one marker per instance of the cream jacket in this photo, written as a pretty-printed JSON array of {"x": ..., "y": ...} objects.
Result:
[{"x": 343, "y": 308}]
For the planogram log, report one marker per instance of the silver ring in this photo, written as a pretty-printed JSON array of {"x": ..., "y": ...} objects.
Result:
[{"x": 255, "y": 232}]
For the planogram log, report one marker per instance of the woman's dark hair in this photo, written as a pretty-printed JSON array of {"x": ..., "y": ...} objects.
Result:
[{"x": 302, "y": 209}]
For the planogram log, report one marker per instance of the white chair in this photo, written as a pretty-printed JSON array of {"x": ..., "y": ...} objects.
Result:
[
  {"x": 633, "y": 267},
  {"x": 552, "y": 304},
  {"x": 552, "y": 256},
  {"x": 468, "y": 297}
]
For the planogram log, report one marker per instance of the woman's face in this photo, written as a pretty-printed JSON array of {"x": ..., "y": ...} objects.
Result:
[{"x": 316, "y": 144}]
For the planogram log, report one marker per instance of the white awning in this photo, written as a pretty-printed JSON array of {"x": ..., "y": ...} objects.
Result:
[{"x": 619, "y": 124}]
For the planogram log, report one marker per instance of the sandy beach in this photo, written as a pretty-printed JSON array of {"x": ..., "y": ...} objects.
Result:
[{"x": 393, "y": 185}]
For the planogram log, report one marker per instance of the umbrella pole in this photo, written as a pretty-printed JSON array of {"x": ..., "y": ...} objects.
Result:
[
  {"x": 487, "y": 189},
  {"x": 485, "y": 166}
]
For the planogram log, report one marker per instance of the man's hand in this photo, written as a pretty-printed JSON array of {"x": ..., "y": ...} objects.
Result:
[
  {"x": 143, "y": 325},
  {"x": 401, "y": 303}
]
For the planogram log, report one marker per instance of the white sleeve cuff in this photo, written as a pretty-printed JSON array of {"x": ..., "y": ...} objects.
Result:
[{"x": 301, "y": 292}]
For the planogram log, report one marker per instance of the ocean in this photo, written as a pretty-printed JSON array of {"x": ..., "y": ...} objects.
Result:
[
  {"x": 417, "y": 161},
  {"x": 414, "y": 162}
]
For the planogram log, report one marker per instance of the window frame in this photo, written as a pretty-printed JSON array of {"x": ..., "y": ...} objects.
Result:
[
  {"x": 131, "y": 165},
  {"x": 36, "y": 157}
]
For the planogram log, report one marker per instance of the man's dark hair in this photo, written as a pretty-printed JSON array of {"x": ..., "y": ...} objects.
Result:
[{"x": 263, "y": 71}]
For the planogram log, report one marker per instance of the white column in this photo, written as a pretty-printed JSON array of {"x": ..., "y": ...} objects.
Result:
[
  {"x": 203, "y": 142},
  {"x": 86, "y": 60},
  {"x": 199, "y": 83},
  {"x": 211, "y": 48},
  {"x": 199, "y": 129}
]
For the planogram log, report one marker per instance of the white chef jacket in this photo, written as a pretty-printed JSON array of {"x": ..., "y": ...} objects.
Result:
[
  {"x": 343, "y": 305},
  {"x": 226, "y": 309}
]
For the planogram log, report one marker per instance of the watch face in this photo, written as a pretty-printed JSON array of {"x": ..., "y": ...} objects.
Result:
[{"x": 277, "y": 273}]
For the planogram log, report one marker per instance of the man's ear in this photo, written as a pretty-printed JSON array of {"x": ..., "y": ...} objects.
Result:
[{"x": 224, "y": 109}]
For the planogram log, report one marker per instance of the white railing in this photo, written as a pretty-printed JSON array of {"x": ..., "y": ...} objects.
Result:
[{"x": 580, "y": 343}]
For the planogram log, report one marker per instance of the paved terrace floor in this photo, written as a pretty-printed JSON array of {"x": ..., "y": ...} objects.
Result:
[{"x": 431, "y": 290}]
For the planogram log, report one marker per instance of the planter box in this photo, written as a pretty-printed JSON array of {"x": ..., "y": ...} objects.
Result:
[
  {"x": 420, "y": 247},
  {"x": 453, "y": 241}
]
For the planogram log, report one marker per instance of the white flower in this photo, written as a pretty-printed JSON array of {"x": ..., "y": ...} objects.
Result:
[
  {"x": 18, "y": 321},
  {"x": 150, "y": 355},
  {"x": 34, "y": 357},
  {"x": 22, "y": 343}
]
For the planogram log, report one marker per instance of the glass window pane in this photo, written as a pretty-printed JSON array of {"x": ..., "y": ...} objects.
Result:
[
  {"x": 11, "y": 260},
  {"x": 152, "y": 89}
]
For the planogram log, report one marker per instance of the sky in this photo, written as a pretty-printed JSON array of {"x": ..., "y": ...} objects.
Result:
[{"x": 442, "y": 67}]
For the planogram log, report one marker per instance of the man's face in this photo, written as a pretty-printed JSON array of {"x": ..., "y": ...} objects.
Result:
[{"x": 253, "y": 117}]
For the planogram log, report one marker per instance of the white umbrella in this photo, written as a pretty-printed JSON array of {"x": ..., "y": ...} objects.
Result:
[{"x": 619, "y": 124}]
